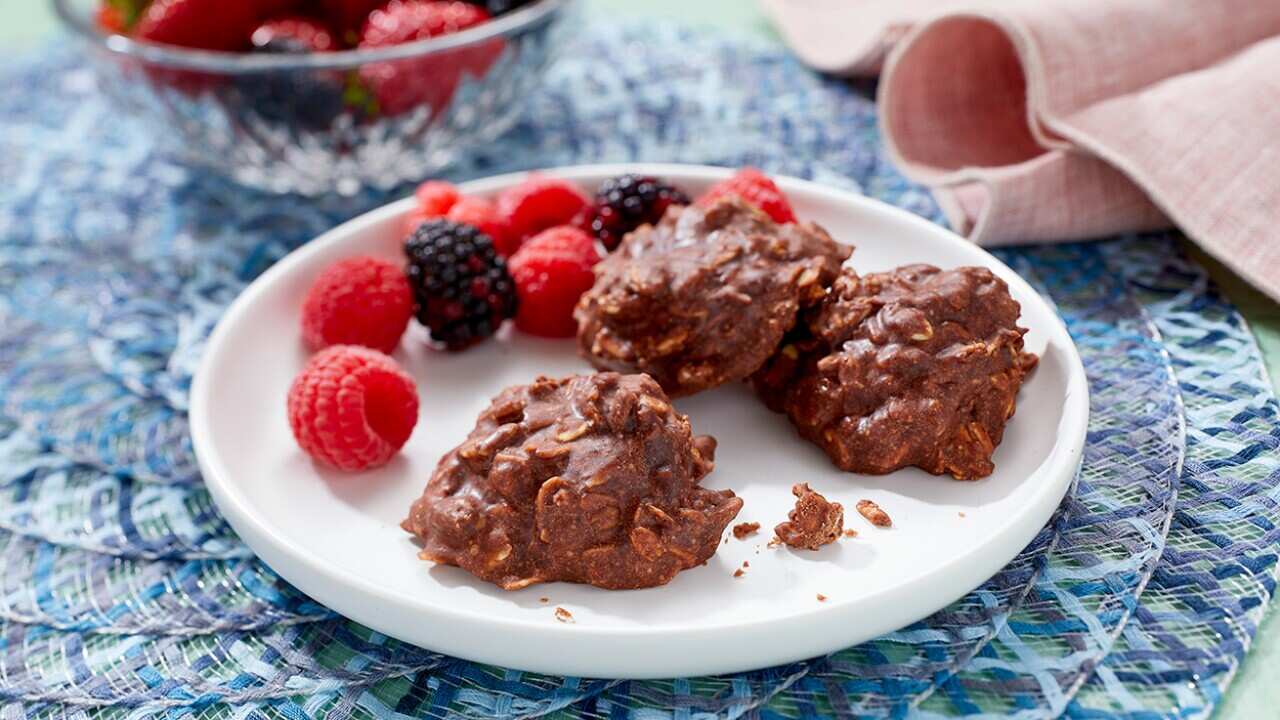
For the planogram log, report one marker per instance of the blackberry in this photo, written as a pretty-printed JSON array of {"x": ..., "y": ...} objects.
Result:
[
  {"x": 624, "y": 203},
  {"x": 498, "y": 7},
  {"x": 461, "y": 286},
  {"x": 307, "y": 100}
]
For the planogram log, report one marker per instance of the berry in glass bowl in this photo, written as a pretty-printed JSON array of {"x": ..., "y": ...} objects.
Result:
[{"x": 319, "y": 96}]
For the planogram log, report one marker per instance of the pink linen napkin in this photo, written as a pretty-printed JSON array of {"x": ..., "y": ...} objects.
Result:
[{"x": 1070, "y": 119}]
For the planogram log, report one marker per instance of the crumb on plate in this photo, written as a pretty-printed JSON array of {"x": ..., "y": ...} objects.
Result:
[
  {"x": 874, "y": 514},
  {"x": 814, "y": 522}
]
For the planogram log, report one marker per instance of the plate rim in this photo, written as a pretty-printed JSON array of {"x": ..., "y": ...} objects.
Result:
[{"x": 309, "y": 574}]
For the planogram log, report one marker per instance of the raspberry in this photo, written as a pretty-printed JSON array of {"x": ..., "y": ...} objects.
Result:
[
  {"x": 461, "y": 285},
  {"x": 403, "y": 85},
  {"x": 200, "y": 24},
  {"x": 359, "y": 301},
  {"x": 551, "y": 272},
  {"x": 755, "y": 188},
  {"x": 537, "y": 204},
  {"x": 482, "y": 215},
  {"x": 434, "y": 197},
  {"x": 624, "y": 203},
  {"x": 352, "y": 407}
]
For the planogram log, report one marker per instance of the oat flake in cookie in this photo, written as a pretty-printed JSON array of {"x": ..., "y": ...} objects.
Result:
[
  {"x": 705, "y": 296},
  {"x": 589, "y": 479},
  {"x": 918, "y": 366}
]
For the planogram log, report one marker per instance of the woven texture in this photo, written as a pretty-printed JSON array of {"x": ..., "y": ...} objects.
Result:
[{"x": 124, "y": 594}]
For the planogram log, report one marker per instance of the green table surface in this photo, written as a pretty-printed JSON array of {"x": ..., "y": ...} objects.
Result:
[{"x": 24, "y": 24}]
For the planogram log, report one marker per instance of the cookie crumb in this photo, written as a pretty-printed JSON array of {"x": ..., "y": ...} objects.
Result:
[
  {"x": 743, "y": 529},
  {"x": 874, "y": 514},
  {"x": 813, "y": 523},
  {"x": 851, "y": 533},
  {"x": 822, "y": 598},
  {"x": 563, "y": 615},
  {"x": 746, "y": 564},
  {"x": 738, "y": 573},
  {"x": 962, "y": 514},
  {"x": 775, "y": 542},
  {"x": 544, "y": 599}
]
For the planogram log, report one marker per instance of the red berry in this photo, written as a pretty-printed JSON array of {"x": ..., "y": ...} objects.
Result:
[
  {"x": 300, "y": 33},
  {"x": 200, "y": 24},
  {"x": 358, "y": 301},
  {"x": 482, "y": 215},
  {"x": 402, "y": 21},
  {"x": 110, "y": 19},
  {"x": 401, "y": 86},
  {"x": 434, "y": 197},
  {"x": 352, "y": 407},
  {"x": 755, "y": 188},
  {"x": 269, "y": 8},
  {"x": 551, "y": 271},
  {"x": 539, "y": 203}
]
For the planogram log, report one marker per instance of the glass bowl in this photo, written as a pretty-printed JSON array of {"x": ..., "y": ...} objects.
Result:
[{"x": 337, "y": 122}]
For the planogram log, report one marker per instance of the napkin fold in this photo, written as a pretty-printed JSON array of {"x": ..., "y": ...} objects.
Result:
[{"x": 1071, "y": 119}]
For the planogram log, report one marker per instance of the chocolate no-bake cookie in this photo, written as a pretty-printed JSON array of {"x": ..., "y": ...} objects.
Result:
[
  {"x": 705, "y": 296},
  {"x": 589, "y": 479},
  {"x": 918, "y": 366},
  {"x": 814, "y": 522}
]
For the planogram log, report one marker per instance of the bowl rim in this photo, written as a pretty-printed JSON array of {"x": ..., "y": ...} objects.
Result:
[{"x": 531, "y": 16}]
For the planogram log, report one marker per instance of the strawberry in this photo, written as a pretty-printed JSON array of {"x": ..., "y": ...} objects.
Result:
[
  {"x": 293, "y": 34},
  {"x": 404, "y": 85},
  {"x": 199, "y": 24},
  {"x": 402, "y": 21}
]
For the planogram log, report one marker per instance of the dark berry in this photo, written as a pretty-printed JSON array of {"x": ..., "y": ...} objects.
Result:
[
  {"x": 460, "y": 284},
  {"x": 293, "y": 98},
  {"x": 624, "y": 203},
  {"x": 498, "y": 7}
]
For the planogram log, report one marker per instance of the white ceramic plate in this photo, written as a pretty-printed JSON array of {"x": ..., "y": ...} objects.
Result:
[{"x": 335, "y": 535}]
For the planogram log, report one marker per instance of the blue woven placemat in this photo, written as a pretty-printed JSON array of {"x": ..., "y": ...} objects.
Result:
[{"x": 123, "y": 593}]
